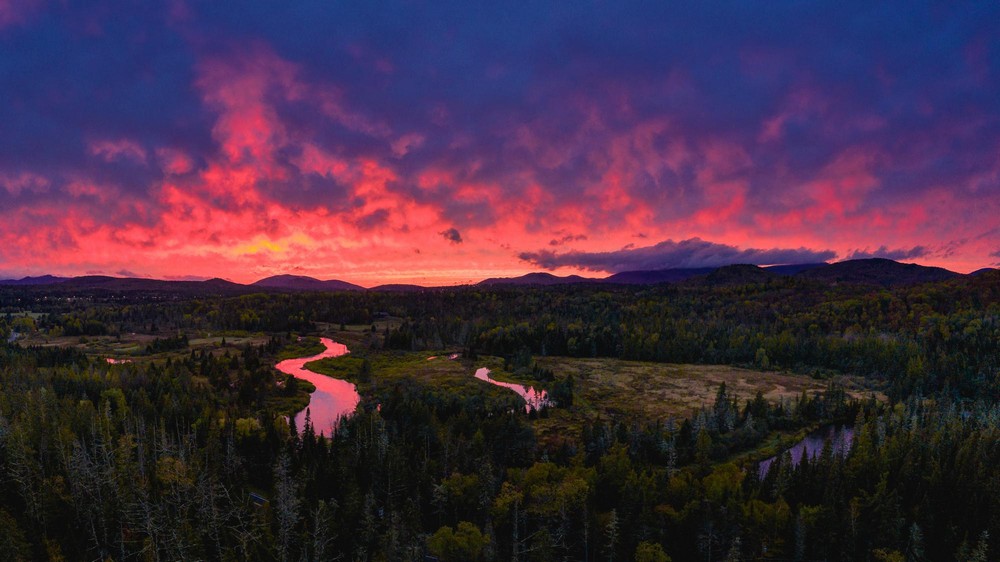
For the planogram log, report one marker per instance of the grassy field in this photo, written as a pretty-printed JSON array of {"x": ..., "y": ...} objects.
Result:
[
  {"x": 304, "y": 347},
  {"x": 613, "y": 388},
  {"x": 432, "y": 369},
  {"x": 133, "y": 346}
]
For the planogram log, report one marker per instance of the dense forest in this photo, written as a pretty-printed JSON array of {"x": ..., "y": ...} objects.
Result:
[{"x": 186, "y": 452}]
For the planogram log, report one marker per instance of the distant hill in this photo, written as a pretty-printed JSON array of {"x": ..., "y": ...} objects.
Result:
[
  {"x": 540, "y": 278},
  {"x": 105, "y": 283},
  {"x": 40, "y": 280},
  {"x": 113, "y": 283},
  {"x": 983, "y": 270},
  {"x": 303, "y": 283},
  {"x": 739, "y": 274},
  {"x": 794, "y": 268},
  {"x": 400, "y": 288},
  {"x": 878, "y": 271},
  {"x": 672, "y": 275},
  {"x": 216, "y": 282},
  {"x": 134, "y": 284},
  {"x": 676, "y": 275}
]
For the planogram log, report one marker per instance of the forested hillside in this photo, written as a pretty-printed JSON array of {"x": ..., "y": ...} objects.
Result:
[{"x": 185, "y": 452}]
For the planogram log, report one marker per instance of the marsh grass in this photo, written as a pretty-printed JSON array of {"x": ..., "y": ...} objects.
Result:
[
  {"x": 133, "y": 346},
  {"x": 643, "y": 391},
  {"x": 306, "y": 347},
  {"x": 444, "y": 377},
  {"x": 291, "y": 405}
]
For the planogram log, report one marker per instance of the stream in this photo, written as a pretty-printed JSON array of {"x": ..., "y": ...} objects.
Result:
[
  {"x": 532, "y": 398},
  {"x": 841, "y": 437}
]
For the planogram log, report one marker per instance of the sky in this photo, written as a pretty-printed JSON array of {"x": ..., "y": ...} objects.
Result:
[{"x": 391, "y": 142}]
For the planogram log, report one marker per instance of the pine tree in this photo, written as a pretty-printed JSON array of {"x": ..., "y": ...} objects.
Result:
[
  {"x": 915, "y": 546},
  {"x": 982, "y": 549}
]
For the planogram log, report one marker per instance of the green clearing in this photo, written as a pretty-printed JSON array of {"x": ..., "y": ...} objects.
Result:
[
  {"x": 387, "y": 367},
  {"x": 291, "y": 405},
  {"x": 303, "y": 347}
]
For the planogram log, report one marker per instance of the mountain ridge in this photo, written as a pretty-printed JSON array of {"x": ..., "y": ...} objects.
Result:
[
  {"x": 878, "y": 271},
  {"x": 870, "y": 271},
  {"x": 537, "y": 278},
  {"x": 39, "y": 280},
  {"x": 304, "y": 283}
]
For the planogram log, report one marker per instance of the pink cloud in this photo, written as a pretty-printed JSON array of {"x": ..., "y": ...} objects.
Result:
[
  {"x": 121, "y": 149},
  {"x": 26, "y": 182},
  {"x": 174, "y": 162}
]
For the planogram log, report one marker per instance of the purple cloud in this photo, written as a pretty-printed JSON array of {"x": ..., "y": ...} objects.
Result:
[
  {"x": 891, "y": 254},
  {"x": 690, "y": 253},
  {"x": 452, "y": 235},
  {"x": 566, "y": 239}
]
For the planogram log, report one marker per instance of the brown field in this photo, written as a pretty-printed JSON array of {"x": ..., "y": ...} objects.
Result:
[
  {"x": 133, "y": 346},
  {"x": 616, "y": 389}
]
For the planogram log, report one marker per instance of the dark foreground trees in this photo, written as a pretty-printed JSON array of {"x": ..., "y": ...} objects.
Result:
[
  {"x": 183, "y": 456},
  {"x": 148, "y": 463}
]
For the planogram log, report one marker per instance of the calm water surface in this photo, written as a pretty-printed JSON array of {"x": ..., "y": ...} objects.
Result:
[
  {"x": 841, "y": 437},
  {"x": 533, "y": 398},
  {"x": 333, "y": 398}
]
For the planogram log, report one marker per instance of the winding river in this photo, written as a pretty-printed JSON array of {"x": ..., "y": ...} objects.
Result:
[
  {"x": 332, "y": 399},
  {"x": 533, "y": 398}
]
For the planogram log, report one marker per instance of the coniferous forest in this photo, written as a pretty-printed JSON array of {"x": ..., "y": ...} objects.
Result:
[{"x": 182, "y": 448}]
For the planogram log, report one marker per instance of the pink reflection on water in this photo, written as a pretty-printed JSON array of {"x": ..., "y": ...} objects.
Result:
[
  {"x": 841, "y": 439},
  {"x": 333, "y": 398},
  {"x": 533, "y": 398}
]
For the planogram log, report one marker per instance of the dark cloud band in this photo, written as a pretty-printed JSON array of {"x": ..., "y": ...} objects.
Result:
[
  {"x": 891, "y": 254},
  {"x": 693, "y": 252}
]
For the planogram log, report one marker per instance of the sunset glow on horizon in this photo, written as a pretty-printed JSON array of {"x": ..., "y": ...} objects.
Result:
[{"x": 444, "y": 145}]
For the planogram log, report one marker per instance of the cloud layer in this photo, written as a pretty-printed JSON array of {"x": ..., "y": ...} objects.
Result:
[
  {"x": 892, "y": 254},
  {"x": 193, "y": 138},
  {"x": 668, "y": 254}
]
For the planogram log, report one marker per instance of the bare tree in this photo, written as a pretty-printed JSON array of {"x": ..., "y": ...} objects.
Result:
[{"x": 286, "y": 504}]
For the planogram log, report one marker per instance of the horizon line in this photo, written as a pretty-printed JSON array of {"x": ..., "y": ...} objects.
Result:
[{"x": 580, "y": 274}]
